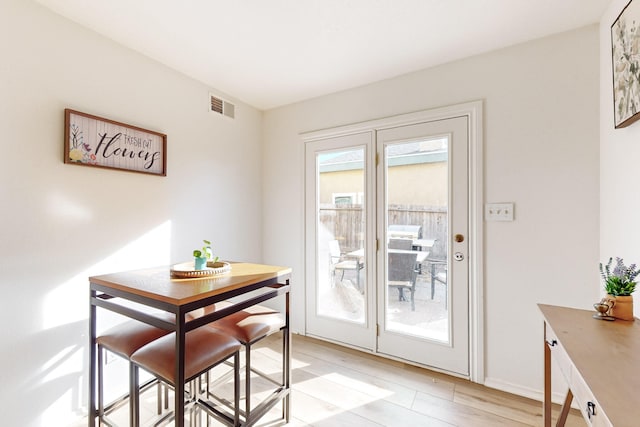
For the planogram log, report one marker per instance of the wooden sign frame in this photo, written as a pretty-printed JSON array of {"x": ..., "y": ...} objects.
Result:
[
  {"x": 625, "y": 63},
  {"x": 94, "y": 141}
]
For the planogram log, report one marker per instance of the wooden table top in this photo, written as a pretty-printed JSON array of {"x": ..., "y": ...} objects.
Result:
[
  {"x": 607, "y": 355},
  {"x": 157, "y": 283}
]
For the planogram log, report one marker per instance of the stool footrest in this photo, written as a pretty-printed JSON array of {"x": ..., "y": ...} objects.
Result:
[
  {"x": 212, "y": 410},
  {"x": 266, "y": 405},
  {"x": 118, "y": 402}
]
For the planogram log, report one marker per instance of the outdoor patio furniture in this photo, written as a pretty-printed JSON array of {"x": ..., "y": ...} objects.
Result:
[
  {"x": 406, "y": 244},
  {"x": 343, "y": 262},
  {"x": 437, "y": 268},
  {"x": 405, "y": 231},
  {"x": 403, "y": 271}
]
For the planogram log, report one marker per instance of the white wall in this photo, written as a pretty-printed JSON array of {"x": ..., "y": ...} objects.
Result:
[
  {"x": 619, "y": 171},
  {"x": 541, "y": 152},
  {"x": 61, "y": 223}
]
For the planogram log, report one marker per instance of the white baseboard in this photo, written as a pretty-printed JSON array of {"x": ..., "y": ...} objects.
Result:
[{"x": 530, "y": 393}]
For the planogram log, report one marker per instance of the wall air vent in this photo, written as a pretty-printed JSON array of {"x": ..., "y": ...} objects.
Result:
[{"x": 220, "y": 106}]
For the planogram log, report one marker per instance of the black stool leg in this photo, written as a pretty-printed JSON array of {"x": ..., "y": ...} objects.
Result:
[
  {"x": 247, "y": 355},
  {"x": 134, "y": 396},
  {"x": 236, "y": 388},
  {"x": 100, "y": 383}
]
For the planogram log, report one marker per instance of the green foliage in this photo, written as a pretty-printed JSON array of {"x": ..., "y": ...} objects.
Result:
[
  {"x": 620, "y": 281},
  {"x": 616, "y": 286},
  {"x": 205, "y": 251}
]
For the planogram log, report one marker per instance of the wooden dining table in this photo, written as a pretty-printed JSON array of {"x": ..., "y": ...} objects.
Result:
[{"x": 146, "y": 293}]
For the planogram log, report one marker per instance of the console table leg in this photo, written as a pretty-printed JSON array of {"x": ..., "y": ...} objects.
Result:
[
  {"x": 546, "y": 406},
  {"x": 565, "y": 409}
]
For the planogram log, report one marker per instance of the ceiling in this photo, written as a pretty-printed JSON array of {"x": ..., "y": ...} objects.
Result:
[{"x": 270, "y": 53}]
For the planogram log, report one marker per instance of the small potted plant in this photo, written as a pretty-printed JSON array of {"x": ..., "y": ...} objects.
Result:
[
  {"x": 619, "y": 285},
  {"x": 203, "y": 255}
]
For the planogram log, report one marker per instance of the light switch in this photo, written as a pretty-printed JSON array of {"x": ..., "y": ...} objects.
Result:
[{"x": 498, "y": 212}]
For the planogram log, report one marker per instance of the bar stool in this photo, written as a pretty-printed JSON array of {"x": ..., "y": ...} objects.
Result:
[
  {"x": 205, "y": 348},
  {"x": 250, "y": 326},
  {"x": 123, "y": 340}
]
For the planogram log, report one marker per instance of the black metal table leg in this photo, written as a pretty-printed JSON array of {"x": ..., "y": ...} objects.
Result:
[
  {"x": 286, "y": 355},
  {"x": 92, "y": 360},
  {"x": 180, "y": 358}
]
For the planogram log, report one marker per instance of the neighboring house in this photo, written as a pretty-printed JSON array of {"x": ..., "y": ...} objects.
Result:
[{"x": 417, "y": 175}]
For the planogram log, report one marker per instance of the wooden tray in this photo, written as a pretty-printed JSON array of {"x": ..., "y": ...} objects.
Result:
[{"x": 186, "y": 270}]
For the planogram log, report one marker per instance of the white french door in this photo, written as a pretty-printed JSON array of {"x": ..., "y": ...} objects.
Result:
[
  {"x": 423, "y": 179},
  {"x": 339, "y": 228},
  {"x": 387, "y": 239}
]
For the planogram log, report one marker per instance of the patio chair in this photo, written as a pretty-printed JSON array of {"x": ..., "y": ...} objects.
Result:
[
  {"x": 342, "y": 262},
  {"x": 402, "y": 274},
  {"x": 437, "y": 268}
]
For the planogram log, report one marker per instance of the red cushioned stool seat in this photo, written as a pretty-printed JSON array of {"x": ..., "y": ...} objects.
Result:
[
  {"x": 205, "y": 348},
  {"x": 124, "y": 339},
  {"x": 250, "y": 326}
]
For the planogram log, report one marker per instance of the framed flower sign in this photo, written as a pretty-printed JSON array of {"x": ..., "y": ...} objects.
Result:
[
  {"x": 103, "y": 143},
  {"x": 625, "y": 48}
]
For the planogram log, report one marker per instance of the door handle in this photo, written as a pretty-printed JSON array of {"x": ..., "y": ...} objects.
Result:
[{"x": 591, "y": 409}]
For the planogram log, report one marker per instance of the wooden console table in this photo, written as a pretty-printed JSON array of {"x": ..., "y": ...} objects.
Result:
[{"x": 600, "y": 360}]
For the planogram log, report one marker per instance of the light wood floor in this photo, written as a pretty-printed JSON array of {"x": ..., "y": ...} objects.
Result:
[{"x": 334, "y": 386}]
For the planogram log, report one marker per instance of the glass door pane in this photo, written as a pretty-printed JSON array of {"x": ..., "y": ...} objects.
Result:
[
  {"x": 416, "y": 176},
  {"x": 341, "y": 224}
]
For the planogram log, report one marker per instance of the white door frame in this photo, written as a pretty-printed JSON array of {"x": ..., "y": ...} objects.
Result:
[{"x": 474, "y": 113}]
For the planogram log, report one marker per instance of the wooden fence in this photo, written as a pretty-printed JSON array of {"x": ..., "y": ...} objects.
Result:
[{"x": 347, "y": 223}]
